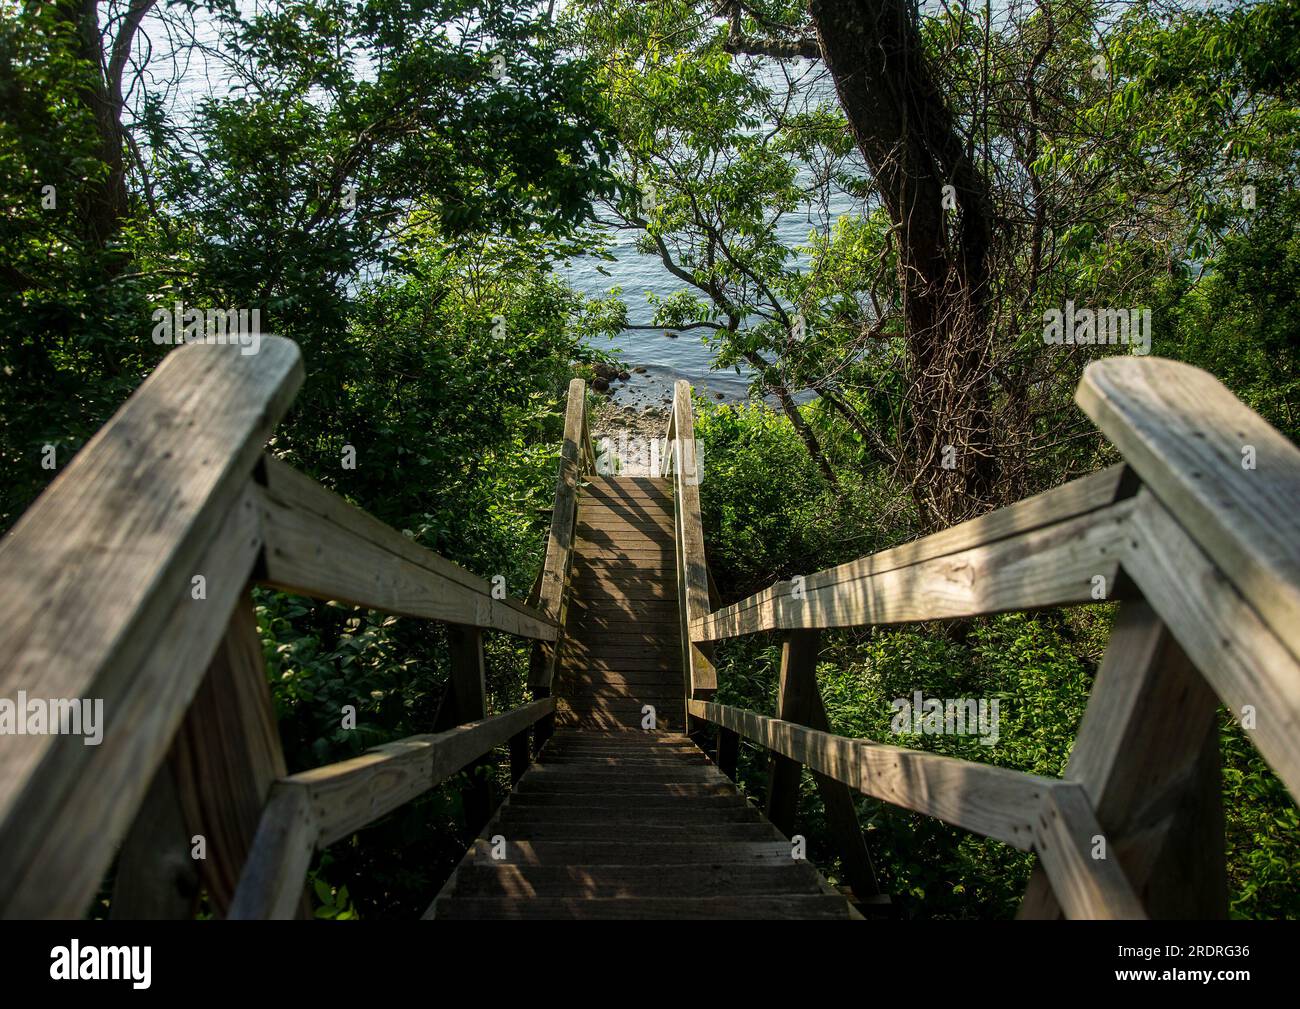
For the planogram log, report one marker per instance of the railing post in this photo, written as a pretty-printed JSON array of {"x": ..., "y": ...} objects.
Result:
[
  {"x": 700, "y": 680},
  {"x": 1147, "y": 755},
  {"x": 207, "y": 798},
  {"x": 798, "y": 671},
  {"x": 466, "y": 701},
  {"x": 799, "y": 701},
  {"x": 520, "y": 757},
  {"x": 552, "y": 593},
  {"x": 157, "y": 876},
  {"x": 227, "y": 754}
]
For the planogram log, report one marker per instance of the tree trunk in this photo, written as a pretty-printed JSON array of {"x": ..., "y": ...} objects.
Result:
[{"x": 906, "y": 132}]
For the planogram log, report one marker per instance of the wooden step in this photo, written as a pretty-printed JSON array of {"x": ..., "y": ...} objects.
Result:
[
  {"x": 520, "y": 820},
  {"x": 594, "y": 588},
  {"x": 622, "y": 800},
  {"x": 658, "y": 557},
  {"x": 587, "y": 677},
  {"x": 620, "y": 788},
  {"x": 756, "y": 908},
  {"x": 728, "y": 879}
]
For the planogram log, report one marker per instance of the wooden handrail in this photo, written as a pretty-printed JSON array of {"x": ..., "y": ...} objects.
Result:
[
  {"x": 1232, "y": 481},
  {"x": 1029, "y": 812},
  {"x": 576, "y": 460},
  {"x": 309, "y": 529},
  {"x": 682, "y": 461},
  {"x": 311, "y": 810},
  {"x": 1201, "y": 521},
  {"x": 121, "y": 581},
  {"x": 1043, "y": 551},
  {"x": 96, "y": 581}
]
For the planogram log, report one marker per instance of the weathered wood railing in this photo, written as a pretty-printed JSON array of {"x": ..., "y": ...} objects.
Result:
[
  {"x": 1198, "y": 533},
  {"x": 127, "y": 582},
  {"x": 682, "y": 462},
  {"x": 577, "y": 459}
]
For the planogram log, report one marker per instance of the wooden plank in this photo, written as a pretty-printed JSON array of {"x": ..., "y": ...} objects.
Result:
[
  {"x": 635, "y": 666},
  {"x": 987, "y": 800},
  {"x": 692, "y": 564},
  {"x": 1049, "y": 566},
  {"x": 1251, "y": 669},
  {"x": 664, "y": 610},
  {"x": 1188, "y": 438},
  {"x": 624, "y": 542},
  {"x": 1065, "y": 837},
  {"x": 1078, "y": 497},
  {"x": 1147, "y": 756},
  {"x": 654, "y": 680},
  {"x": 227, "y": 754},
  {"x": 575, "y": 459},
  {"x": 270, "y": 886},
  {"x": 157, "y": 877},
  {"x": 707, "y": 852},
  {"x": 589, "y": 586},
  {"x": 309, "y": 529},
  {"x": 93, "y": 576},
  {"x": 353, "y": 793},
  {"x": 797, "y": 683}
]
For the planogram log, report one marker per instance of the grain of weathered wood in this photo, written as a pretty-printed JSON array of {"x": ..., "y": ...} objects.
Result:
[
  {"x": 1191, "y": 440},
  {"x": 96, "y": 578},
  {"x": 227, "y": 754},
  {"x": 321, "y": 546},
  {"x": 1078, "y": 497},
  {"x": 1250, "y": 668},
  {"x": 1047, "y": 566},
  {"x": 1066, "y": 835}
]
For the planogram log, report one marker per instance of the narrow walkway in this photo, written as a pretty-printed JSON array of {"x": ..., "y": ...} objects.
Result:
[
  {"x": 623, "y": 647},
  {"x": 614, "y": 821}
]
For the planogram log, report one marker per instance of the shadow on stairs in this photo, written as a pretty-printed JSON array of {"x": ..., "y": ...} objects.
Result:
[{"x": 628, "y": 824}]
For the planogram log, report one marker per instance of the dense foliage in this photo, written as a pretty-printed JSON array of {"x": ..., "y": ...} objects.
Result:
[{"x": 392, "y": 185}]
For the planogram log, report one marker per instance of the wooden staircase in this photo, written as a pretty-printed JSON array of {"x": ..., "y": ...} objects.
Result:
[
  {"x": 621, "y": 816},
  {"x": 612, "y": 814},
  {"x": 631, "y": 824},
  {"x": 623, "y": 642}
]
